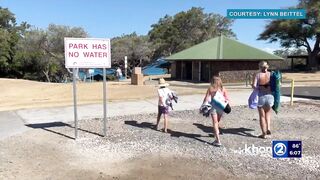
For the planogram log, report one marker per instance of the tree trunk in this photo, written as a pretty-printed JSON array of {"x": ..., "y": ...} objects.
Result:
[
  {"x": 313, "y": 60},
  {"x": 47, "y": 75}
]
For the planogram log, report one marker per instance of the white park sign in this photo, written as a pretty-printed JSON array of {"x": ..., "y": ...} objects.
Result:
[{"x": 87, "y": 53}]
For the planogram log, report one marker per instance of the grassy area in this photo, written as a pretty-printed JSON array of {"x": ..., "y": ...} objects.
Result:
[{"x": 19, "y": 94}]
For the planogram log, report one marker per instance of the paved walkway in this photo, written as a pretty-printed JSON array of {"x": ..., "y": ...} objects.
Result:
[{"x": 13, "y": 122}]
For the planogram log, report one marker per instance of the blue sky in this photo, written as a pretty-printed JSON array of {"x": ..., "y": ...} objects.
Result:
[{"x": 107, "y": 19}]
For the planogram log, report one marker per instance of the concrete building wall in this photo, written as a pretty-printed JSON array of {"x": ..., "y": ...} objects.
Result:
[
  {"x": 229, "y": 71},
  {"x": 237, "y": 76},
  {"x": 234, "y": 65},
  {"x": 234, "y": 71}
]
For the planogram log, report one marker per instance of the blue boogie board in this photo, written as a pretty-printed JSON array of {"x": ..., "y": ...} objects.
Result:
[{"x": 275, "y": 82}]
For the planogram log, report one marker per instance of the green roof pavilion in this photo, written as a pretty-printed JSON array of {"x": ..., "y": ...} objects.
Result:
[{"x": 217, "y": 56}]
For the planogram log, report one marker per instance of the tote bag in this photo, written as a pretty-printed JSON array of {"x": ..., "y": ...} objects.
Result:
[{"x": 253, "y": 99}]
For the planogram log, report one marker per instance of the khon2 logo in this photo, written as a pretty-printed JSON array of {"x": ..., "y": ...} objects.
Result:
[
  {"x": 287, "y": 149},
  {"x": 280, "y": 149}
]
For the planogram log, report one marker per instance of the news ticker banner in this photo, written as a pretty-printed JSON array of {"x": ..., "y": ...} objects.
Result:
[
  {"x": 287, "y": 149},
  {"x": 266, "y": 13}
]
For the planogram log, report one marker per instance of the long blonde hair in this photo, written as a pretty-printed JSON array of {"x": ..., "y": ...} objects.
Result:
[{"x": 216, "y": 83}]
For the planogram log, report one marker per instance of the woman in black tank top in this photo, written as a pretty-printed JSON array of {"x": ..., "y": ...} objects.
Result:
[{"x": 266, "y": 100}]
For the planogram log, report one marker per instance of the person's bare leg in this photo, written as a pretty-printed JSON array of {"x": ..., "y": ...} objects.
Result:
[
  {"x": 267, "y": 111},
  {"x": 220, "y": 126},
  {"x": 215, "y": 127},
  {"x": 158, "y": 120},
  {"x": 262, "y": 122},
  {"x": 219, "y": 119},
  {"x": 165, "y": 123}
]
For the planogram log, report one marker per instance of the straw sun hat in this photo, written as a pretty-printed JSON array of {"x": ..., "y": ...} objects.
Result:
[{"x": 162, "y": 83}]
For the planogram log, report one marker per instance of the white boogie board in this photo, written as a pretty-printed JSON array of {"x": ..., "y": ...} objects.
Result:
[{"x": 219, "y": 101}]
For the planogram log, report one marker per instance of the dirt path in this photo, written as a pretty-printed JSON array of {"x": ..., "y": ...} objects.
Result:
[{"x": 133, "y": 150}]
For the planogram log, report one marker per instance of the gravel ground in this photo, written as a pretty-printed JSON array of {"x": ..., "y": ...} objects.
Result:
[{"x": 134, "y": 150}]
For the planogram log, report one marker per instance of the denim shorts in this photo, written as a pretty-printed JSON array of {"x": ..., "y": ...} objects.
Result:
[
  {"x": 266, "y": 100},
  {"x": 215, "y": 110}
]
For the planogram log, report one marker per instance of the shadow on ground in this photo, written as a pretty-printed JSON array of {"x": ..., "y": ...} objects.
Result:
[
  {"x": 47, "y": 126},
  {"x": 236, "y": 131},
  {"x": 173, "y": 133},
  {"x": 140, "y": 125}
]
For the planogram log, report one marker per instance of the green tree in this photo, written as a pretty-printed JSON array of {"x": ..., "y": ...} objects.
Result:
[
  {"x": 298, "y": 33},
  {"x": 28, "y": 61},
  {"x": 10, "y": 33},
  {"x": 185, "y": 29},
  {"x": 284, "y": 53},
  {"x": 41, "y": 53},
  {"x": 136, "y": 48},
  {"x": 54, "y": 49}
]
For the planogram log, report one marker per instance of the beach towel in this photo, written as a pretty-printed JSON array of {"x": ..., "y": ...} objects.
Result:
[
  {"x": 253, "y": 99},
  {"x": 275, "y": 83},
  {"x": 205, "y": 109}
]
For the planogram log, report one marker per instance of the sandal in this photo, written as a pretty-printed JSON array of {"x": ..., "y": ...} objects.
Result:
[
  {"x": 262, "y": 136},
  {"x": 268, "y": 132},
  {"x": 216, "y": 143},
  {"x": 163, "y": 130}
]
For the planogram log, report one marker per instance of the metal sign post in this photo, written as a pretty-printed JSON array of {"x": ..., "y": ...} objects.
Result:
[
  {"x": 88, "y": 53},
  {"x": 125, "y": 66},
  {"x": 104, "y": 103},
  {"x": 74, "y": 82}
]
